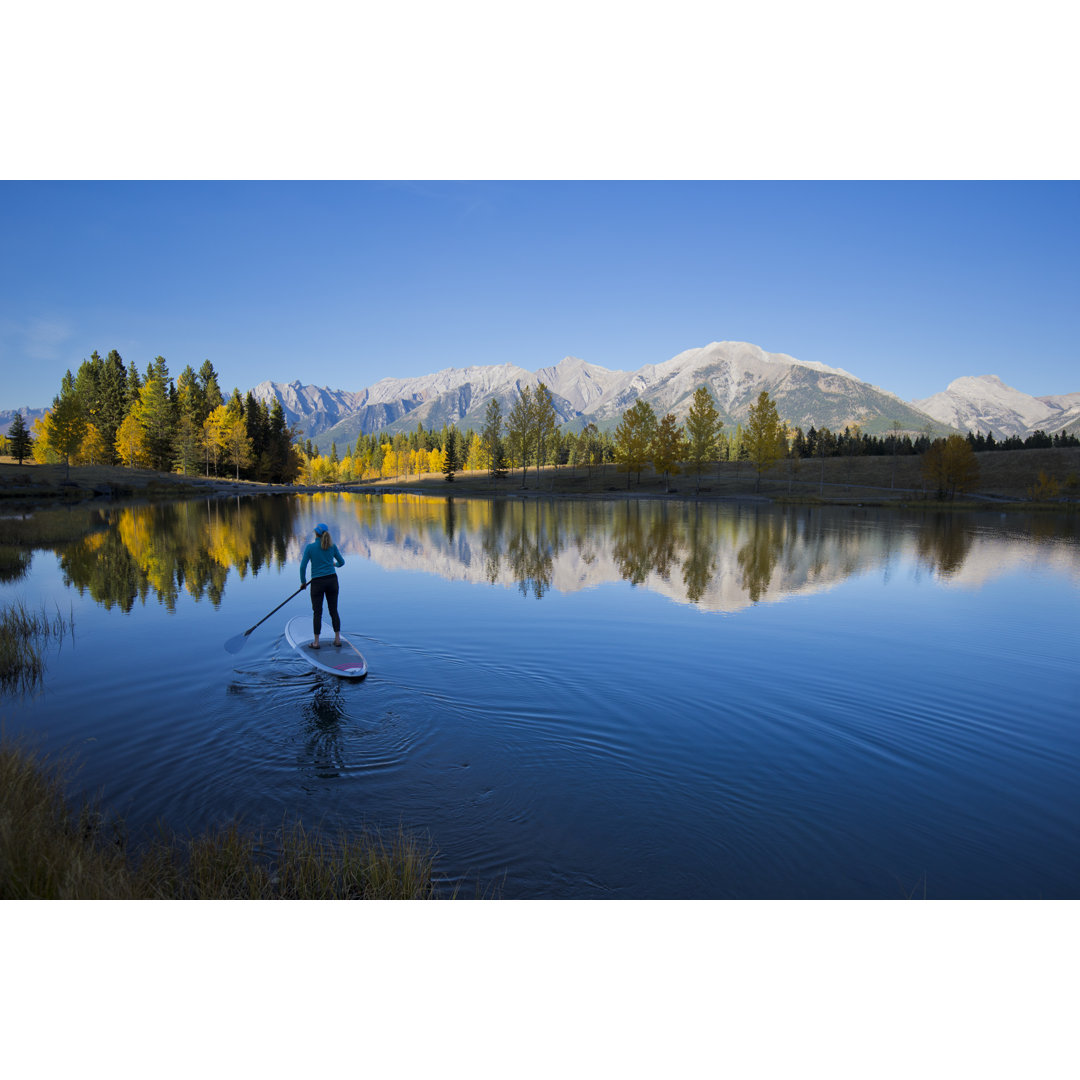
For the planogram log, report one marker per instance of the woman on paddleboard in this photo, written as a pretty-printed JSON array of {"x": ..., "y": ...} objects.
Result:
[{"x": 323, "y": 555}]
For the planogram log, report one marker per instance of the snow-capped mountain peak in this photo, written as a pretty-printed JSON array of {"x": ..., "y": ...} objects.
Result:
[
  {"x": 985, "y": 403},
  {"x": 808, "y": 393}
]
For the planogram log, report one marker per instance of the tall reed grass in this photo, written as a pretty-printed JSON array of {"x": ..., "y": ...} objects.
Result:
[
  {"x": 48, "y": 851},
  {"x": 24, "y": 635}
]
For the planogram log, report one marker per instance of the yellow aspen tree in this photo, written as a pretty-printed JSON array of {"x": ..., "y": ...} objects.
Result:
[
  {"x": 93, "y": 449},
  {"x": 237, "y": 443},
  {"x": 130, "y": 444},
  {"x": 633, "y": 439},
  {"x": 950, "y": 465},
  {"x": 764, "y": 438},
  {"x": 703, "y": 426},
  {"x": 43, "y": 451},
  {"x": 668, "y": 448},
  {"x": 214, "y": 435}
]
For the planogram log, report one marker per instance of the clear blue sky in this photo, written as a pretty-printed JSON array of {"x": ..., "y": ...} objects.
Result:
[{"x": 907, "y": 285}]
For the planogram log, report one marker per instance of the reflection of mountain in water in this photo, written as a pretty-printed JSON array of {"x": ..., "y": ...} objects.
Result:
[{"x": 722, "y": 557}]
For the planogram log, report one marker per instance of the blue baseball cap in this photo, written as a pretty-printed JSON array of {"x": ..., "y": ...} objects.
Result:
[{"x": 320, "y": 529}]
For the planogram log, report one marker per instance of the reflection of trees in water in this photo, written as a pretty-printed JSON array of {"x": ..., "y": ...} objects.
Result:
[
  {"x": 717, "y": 549},
  {"x": 450, "y": 521},
  {"x": 758, "y": 557},
  {"x": 491, "y": 540},
  {"x": 646, "y": 539},
  {"x": 162, "y": 549},
  {"x": 14, "y": 562},
  {"x": 664, "y": 536},
  {"x": 700, "y": 561},
  {"x": 532, "y": 547},
  {"x": 943, "y": 543},
  {"x": 629, "y": 547}
]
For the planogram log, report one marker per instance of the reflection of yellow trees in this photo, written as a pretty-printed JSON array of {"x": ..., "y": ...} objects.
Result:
[
  {"x": 943, "y": 543},
  {"x": 184, "y": 546},
  {"x": 630, "y": 548},
  {"x": 532, "y": 547},
  {"x": 646, "y": 540},
  {"x": 700, "y": 560},
  {"x": 760, "y": 553},
  {"x": 231, "y": 536}
]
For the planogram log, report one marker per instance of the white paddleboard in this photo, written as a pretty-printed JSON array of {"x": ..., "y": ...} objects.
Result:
[{"x": 344, "y": 659}]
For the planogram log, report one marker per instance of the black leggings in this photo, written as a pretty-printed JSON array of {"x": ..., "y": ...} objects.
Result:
[{"x": 324, "y": 586}]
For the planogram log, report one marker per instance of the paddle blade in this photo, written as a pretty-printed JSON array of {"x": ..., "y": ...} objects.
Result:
[{"x": 235, "y": 644}]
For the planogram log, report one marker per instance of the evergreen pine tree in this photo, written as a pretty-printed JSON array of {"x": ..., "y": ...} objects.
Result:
[
  {"x": 114, "y": 401},
  {"x": 491, "y": 437},
  {"x": 156, "y": 414},
  {"x": 451, "y": 454},
  {"x": 19, "y": 439}
]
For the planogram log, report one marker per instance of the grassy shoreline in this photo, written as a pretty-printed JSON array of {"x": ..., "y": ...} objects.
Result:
[
  {"x": 49, "y": 851},
  {"x": 1008, "y": 478}
]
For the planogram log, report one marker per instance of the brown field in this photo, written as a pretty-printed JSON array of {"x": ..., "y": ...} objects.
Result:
[{"x": 1008, "y": 475}]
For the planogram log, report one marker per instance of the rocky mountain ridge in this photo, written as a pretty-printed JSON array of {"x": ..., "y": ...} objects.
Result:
[
  {"x": 807, "y": 394},
  {"x": 30, "y": 416},
  {"x": 985, "y": 403}
]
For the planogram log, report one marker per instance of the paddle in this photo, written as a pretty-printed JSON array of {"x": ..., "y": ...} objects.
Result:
[{"x": 235, "y": 644}]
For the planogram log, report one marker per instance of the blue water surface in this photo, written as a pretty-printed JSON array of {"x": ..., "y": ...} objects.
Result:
[{"x": 592, "y": 700}]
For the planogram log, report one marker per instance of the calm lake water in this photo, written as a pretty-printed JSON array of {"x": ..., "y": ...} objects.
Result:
[{"x": 592, "y": 699}]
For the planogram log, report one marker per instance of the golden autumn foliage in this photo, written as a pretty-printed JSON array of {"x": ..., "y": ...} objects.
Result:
[{"x": 950, "y": 466}]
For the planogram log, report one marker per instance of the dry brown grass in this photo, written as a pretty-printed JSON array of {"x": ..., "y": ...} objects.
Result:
[
  {"x": 48, "y": 851},
  {"x": 54, "y": 479},
  {"x": 1007, "y": 474}
]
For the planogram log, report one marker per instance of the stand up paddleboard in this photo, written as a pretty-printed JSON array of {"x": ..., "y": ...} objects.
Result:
[{"x": 344, "y": 659}]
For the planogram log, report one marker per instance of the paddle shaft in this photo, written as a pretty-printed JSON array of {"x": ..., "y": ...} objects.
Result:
[
  {"x": 241, "y": 638},
  {"x": 278, "y": 608}
]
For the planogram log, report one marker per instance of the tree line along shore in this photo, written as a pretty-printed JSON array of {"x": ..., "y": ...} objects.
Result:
[{"x": 166, "y": 433}]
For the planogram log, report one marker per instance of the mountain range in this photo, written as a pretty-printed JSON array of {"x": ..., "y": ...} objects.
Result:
[
  {"x": 30, "y": 417},
  {"x": 984, "y": 403},
  {"x": 736, "y": 372},
  {"x": 807, "y": 394}
]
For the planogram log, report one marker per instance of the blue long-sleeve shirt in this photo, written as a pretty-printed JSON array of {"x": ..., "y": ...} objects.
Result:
[{"x": 322, "y": 562}]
